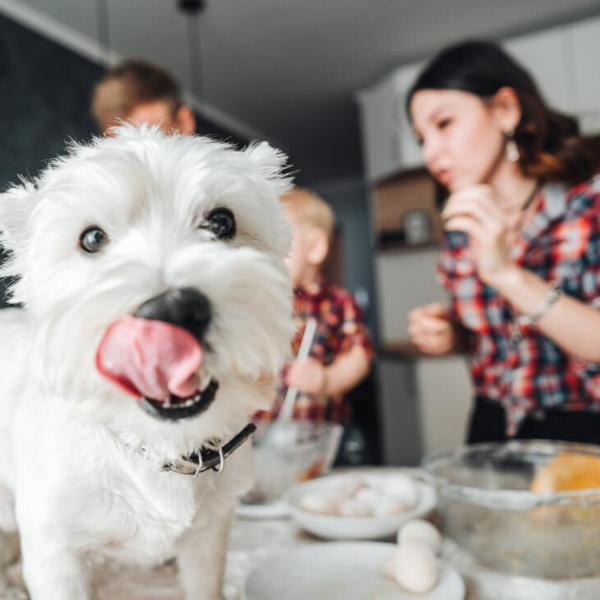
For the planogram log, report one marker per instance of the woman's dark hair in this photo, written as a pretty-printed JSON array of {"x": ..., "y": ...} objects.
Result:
[{"x": 550, "y": 144}]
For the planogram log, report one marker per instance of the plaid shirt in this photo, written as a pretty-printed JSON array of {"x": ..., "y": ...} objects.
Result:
[
  {"x": 340, "y": 328},
  {"x": 560, "y": 244}
]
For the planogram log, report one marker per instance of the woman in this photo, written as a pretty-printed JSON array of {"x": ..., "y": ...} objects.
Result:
[{"x": 521, "y": 256}]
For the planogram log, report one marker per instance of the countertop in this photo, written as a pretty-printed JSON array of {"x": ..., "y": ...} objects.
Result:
[{"x": 254, "y": 541}]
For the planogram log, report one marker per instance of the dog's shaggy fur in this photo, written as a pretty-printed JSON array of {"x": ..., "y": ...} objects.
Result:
[{"x": 72, "y": 479}]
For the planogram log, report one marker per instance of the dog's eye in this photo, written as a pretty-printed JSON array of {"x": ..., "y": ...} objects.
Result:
[
  {"x": 222, "y": 223},
  {"x": 92, "y": 240}
]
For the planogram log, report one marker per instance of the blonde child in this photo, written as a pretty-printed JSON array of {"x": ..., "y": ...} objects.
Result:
[{"x": 341, "y": 352}]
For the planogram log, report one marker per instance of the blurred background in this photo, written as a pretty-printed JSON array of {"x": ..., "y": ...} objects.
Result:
[{"x": 325, "y": 81}]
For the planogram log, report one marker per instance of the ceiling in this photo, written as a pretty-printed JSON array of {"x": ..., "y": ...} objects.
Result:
[{"x": 286, "y": 70}]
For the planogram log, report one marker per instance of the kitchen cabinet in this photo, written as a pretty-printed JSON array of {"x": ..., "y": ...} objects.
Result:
[
  {"x": 404, "y": 280},
  {"x": 397, "y": 202},
  {"x": 380, "y": 137},
  {"x": 546, "y": 56},
  {"x": 424, "y": 401},
  {"x": 584, "y": 43},
  {"x": 398, "y": 407},
  {"x": 387, "y": 140},
  {"x": 445, "y": 399},
  {"x": 424, "y": 404},
  {"x": 410, "y": 152}
]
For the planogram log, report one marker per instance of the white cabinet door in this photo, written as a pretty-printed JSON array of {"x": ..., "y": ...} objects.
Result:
[
  {"x": 410, "y": 152},
  {"x": 381, "y": 144},
  {"x": 584, "y": 40},
  {"x": 404, "y": 281},
  {"x": 445, "y": 393},
  {"x": 388, "y": 142},
  {"x": 546, "y": 56}
]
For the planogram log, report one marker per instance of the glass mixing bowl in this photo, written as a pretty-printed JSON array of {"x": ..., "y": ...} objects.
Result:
[
  {"x": 290, "y": 452},
  {"x": 487, "y": 508}
]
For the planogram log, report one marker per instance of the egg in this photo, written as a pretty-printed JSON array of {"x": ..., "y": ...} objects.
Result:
[
  {"x": 416, "y": 568},
  {"x": 355, "y": 508},
  {"x": 390, "y": 505},
  {"x": 369, "y": 496},
  {"x": 422, "y": 531},
  {"x": 350, "y": 488},
  {"x": 404, "y": 488},
  {"x": 325, "y": 504}
]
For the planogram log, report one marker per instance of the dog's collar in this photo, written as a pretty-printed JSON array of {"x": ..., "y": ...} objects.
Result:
[{"x": 209, "y": 458}]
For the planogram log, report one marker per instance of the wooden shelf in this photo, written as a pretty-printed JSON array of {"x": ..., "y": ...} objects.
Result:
[
  {"x": 401, "y": 348},
  {"x": 389, "y": 244},
  {"x": 401, "y": 174},
  {"x": 406, "y": 349},
  {"x": 396, "y": 198}
]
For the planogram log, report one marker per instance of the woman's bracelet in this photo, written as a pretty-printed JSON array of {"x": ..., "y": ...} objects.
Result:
[{"x": 531, "y": 319}]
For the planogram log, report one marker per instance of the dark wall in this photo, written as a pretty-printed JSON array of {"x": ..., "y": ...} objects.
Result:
[
  {"x": 45, "y": 97},
  {"x": 45, "y": 94}
]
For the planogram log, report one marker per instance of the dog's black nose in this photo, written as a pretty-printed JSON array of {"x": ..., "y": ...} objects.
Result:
[{"x": 186, "y": 307}]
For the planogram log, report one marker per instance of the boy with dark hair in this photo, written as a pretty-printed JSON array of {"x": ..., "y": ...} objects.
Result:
[{"x": 141, "y": 92}]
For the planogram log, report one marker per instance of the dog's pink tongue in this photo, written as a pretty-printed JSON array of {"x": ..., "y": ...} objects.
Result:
[{"x": 150, "y": 358}]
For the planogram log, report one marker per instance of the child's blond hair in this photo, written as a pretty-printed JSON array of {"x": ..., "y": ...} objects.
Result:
[{"x": 309, "y": 209}]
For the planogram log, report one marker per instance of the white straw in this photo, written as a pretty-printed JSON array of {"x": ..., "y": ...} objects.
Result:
[{"x": 290, "y": 397}]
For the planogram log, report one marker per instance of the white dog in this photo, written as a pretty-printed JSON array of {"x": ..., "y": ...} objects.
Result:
[{"x": 151, "y": 270}]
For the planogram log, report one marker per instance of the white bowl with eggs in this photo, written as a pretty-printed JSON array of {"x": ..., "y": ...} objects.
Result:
[{"x": 360, "y": 506}]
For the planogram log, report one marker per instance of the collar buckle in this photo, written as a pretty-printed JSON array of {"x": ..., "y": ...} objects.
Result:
[{"x": 209, "y": 458}]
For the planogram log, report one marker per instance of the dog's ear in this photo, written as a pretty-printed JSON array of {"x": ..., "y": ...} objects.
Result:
[
  {"x": 271, "y": 164},
  {"x": 16, "y": 206}
]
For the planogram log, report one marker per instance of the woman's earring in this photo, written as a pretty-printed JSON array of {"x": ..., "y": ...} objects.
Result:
[{"x": 512, "y": 150}]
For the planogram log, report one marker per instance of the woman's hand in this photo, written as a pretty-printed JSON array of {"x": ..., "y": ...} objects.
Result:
[
  {"x": 430, "y": 329},
  {"x": 308, "y": 376},
  {"x": 474, "y": 211}
]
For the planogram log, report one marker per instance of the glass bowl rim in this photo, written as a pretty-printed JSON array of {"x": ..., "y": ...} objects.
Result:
[{"x": 512, "y": 500}]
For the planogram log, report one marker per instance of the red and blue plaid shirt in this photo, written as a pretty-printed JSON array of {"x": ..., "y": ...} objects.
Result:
[
  {"x": 561, "y": 244},
  {"x": 340, "y": 328}
]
